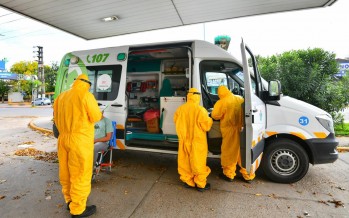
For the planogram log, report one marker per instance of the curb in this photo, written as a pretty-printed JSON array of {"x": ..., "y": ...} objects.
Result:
[
  {"x": 45, "y": 131},
  {"x": 342, "y": 149}
]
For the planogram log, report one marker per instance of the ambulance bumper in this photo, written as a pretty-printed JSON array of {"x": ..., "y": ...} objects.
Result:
[{"x": 324, "y": 150}]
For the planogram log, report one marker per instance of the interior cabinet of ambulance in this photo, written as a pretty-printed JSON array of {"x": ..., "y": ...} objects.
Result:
[
  {"x": 152, "y": 101},
  {"x": 143, "y": 95},
  {"x": 175, "y": 72}
]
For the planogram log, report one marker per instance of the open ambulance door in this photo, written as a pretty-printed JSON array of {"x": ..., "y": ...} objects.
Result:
[{"x": 254, "y": 114}]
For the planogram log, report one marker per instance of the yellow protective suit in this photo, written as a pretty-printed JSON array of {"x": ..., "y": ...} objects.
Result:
[
  {"x": 192, "y": 123},
  {"x": 75, "y": 112},
  {"x": 228, "y": 110}
]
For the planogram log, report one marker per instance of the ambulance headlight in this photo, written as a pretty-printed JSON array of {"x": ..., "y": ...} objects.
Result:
[{"x": 326, "y": 121}]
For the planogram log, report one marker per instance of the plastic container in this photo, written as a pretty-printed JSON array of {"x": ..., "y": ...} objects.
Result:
[
  {"x": 151, "y": 117},
  {"x": 151, "y": 114}
]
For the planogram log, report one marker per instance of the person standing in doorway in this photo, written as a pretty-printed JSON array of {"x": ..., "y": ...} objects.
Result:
[{"x": 228, "y": 110}]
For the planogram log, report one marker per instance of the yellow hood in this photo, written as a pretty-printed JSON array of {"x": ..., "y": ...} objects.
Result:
[
  {"x": 223, "y": 91},
  {"x": 193, "y": 96},
  {"x": 79, "y": 82}
]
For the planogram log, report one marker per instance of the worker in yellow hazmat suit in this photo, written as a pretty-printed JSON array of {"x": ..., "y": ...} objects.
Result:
[
  {"x": 192, "y": 123},
  {"x": 75, "y": 112},
  {"x": 228, "y": 110}
]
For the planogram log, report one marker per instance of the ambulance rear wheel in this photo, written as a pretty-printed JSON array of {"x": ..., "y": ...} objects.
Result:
[{"x": 285, "y": 161}]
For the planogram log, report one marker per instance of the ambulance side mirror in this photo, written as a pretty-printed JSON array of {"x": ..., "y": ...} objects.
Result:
[{"x": 274, "y": 90}]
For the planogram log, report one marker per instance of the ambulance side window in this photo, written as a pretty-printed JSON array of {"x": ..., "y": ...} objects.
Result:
[
  {"x": 214, "y": 73},
  {"x": 105, "y": 81},
  {"x": 240, "y": 75},
  {"x": 214, "y": 80}
]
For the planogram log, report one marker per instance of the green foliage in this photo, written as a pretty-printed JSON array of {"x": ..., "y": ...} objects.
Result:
[
  {"x": 338, "y": 118},
  {"x": 31, "y": 68},
  {"x": 51, "y": 76},
  {"x": 25, "y": 67},
  {"x": 342, "y": 129},
  {"x": 4, "y": 88},
  {"x": 308, "y": 76}
]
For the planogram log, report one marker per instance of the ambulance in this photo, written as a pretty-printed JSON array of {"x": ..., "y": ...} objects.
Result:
[{"x": 141, "y": 87}]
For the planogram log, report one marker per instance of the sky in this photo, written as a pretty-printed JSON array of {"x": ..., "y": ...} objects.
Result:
[{"x": 266, "y": 35}]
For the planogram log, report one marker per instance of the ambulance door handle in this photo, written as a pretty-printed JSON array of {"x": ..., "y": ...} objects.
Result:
[
  {"x": 116, "y": 105},
  {"x": 254, "y": 110}
]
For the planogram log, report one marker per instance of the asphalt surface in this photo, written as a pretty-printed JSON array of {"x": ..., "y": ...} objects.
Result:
[{"x": 147, "y": 185}]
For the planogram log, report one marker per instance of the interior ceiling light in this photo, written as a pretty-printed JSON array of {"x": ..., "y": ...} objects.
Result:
[{"x": 111, "y": 18}]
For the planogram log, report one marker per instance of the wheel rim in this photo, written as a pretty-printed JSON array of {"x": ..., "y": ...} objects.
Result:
[{"x": 284, "y": 162}]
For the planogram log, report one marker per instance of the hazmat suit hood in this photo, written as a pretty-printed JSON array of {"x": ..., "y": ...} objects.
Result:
[
  {"x": 82, "y": 82},
  {"x": 193, "y": 96},
  {"x": 223, "y": 91}
]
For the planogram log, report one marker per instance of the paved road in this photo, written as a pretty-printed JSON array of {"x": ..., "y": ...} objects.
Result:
[
  {"x": 27, "y": 110},
  {"x": 147, "y": 185}
]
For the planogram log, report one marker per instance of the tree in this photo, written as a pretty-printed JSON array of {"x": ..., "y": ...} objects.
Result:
[
  {"x": 50, "y": 77},
  {"x": 4, "y": 88},
  {"x": 25, "y": 68},
  {"x": 31, "y": 68},
  {"x": 308, "y": 76}
]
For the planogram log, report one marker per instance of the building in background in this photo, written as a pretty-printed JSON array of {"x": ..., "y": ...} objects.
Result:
[{"x": 343, "y": 67}]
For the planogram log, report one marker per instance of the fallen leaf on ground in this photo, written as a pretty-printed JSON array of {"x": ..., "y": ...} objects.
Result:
[
  {"x": 336, "y": 203},
  {"x": 2, "y": 197},
  {"x": 323, "y": 202},
  {"x": 28, "y": 143},
  {"x": 38, "y": 155},
  {"x": 2, "y": 181},
  {"x": 258, "y": 194},
  {"x": 341, "y": 188},
  {"x": 28, "y": 152},
  {"x": 16, "y": 197},
  {"x": 272, "y": 195}
]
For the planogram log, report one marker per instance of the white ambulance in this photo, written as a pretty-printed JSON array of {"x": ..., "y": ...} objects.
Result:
[{"x": 144, "y": 84}]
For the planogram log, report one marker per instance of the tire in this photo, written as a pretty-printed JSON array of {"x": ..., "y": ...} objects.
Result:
[
  {"x": 42, "y": 103},
  {"x": 285, "y": 161}
]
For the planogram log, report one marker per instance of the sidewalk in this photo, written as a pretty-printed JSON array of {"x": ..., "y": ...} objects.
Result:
[
  {"x": 17, "y": 104},
  {"x": 43, "y": 124}
]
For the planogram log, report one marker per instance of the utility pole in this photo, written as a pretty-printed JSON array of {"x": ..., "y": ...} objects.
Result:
[{"x": 41, "y": 75}]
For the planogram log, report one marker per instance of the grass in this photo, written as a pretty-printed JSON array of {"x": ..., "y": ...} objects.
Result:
[{"x": 342, "y": 129}]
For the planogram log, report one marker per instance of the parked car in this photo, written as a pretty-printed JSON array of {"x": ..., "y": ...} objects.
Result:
[{"x": 41, "y": 101}]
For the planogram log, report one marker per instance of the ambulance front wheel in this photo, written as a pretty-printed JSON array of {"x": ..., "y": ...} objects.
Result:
[{"x": 285, "y": 161}]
